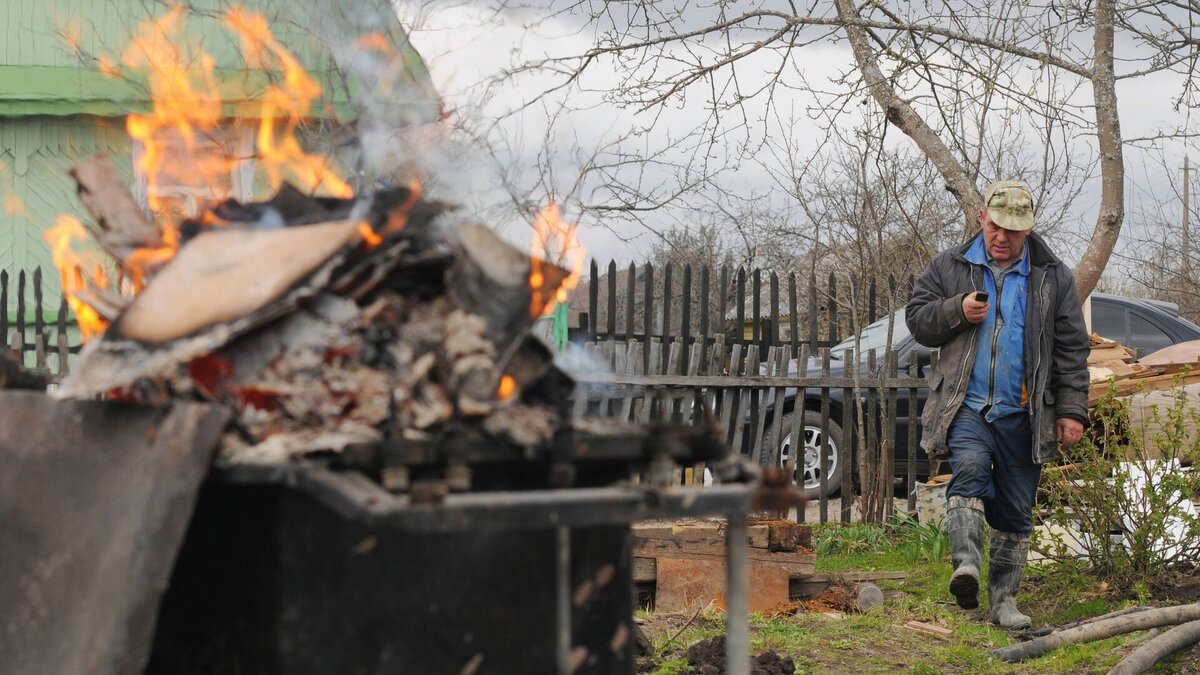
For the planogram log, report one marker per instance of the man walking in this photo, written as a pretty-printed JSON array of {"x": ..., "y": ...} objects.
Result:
[{"x": 1011, "y": 383}]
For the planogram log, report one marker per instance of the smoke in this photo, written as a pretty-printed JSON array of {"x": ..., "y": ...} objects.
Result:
[
  {"x": 579, "y": 362},
  {"x": 387, "y": 83}
]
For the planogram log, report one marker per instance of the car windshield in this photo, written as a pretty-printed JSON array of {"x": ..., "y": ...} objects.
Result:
[{"x": 875, "y": 336}]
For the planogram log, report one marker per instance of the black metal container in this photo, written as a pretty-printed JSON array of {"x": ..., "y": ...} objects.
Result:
[{"x": 269, "y": 580}]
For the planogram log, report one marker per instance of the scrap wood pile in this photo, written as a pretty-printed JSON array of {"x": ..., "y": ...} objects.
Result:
[
  {"x": 683, "y": 560},
  {"x": 321, "y": 322},
  {"x": 1111, "y": 364}
]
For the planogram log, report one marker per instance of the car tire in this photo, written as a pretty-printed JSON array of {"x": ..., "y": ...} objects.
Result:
[{"x": 808, "y": 474}]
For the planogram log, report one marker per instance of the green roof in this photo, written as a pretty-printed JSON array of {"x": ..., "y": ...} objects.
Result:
[{"x": 40, "y": 74}]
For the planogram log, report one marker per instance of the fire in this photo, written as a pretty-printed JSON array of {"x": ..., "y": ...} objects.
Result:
[
  {"x": 368, "y": 235},
  {"x": 377, "y": 42},
  {"x": 551, "y": 234},
  {"x": 60, "y": 237},
  {"x": 142, "y": 261},
  {"x": 186, "y": 139},
  {"x": 508, "y": 387},
  {"x": 398, "y": 217},
  {"x": 186, "y": 104},
  {"x": 279, "y": 150}
]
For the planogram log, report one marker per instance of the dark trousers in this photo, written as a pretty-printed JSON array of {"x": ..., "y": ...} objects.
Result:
[{"x": 994, "y": 462}]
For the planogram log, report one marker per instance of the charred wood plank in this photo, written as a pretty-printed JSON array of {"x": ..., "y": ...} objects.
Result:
[
  {"x": 123, "y": 225},
  {"x": 491, "y": 278}
]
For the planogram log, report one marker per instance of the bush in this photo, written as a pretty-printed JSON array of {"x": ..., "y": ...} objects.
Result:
[{"x": 1123, "y": 504}]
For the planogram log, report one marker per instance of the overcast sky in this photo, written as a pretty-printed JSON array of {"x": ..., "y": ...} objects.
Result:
[{"x": 465, "y": 43}]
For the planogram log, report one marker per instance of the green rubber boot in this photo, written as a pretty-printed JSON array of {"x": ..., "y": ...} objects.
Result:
[
  {"x": 1006, "y": 566},
  {"x": 964, "y": 524}
]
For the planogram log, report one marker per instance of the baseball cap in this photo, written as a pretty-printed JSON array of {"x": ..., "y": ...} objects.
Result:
[{"x": 1009, "y": 203}]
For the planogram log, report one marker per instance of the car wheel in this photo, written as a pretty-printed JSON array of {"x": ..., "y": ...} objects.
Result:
[{"x": 808, "y": 472}]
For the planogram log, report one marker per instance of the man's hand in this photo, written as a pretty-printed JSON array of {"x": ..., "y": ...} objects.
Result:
[
  {"x": 973, "y": 310},
  {"x": 1069, "y": 431}
]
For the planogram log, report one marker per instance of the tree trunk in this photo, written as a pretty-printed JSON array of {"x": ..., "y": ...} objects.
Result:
[
  {"x": 1155, "y": 618},
  {"x": 902, "y": 116},
  {"x": 1144, "y": 657},
  {"x": 1112, "y": 164}
]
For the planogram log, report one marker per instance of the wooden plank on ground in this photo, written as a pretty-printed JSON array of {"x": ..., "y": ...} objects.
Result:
[
  {"x": 773, "y": 534},
  {"x": 797, "y": 563},
  {"x": 936, "y": 631}
]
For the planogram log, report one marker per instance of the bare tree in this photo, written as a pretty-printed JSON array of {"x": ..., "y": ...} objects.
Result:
[
  {"x": 954, "y": 76},
  {"x": 1160, "y": 260}
]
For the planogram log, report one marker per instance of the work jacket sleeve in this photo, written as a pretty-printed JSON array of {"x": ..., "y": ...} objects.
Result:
[
  {"x": 934, "y": 313},
  {"x": 1069, "y": 377}
]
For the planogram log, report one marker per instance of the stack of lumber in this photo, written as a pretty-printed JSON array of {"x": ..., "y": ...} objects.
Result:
[
  {"x": 1110, "y": 362},
  {"x": 684, "y": 561},
  {"x": 681, "y": 564},
  {"x": 782, "y": 543}
]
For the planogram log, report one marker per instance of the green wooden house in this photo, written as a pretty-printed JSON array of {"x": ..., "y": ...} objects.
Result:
[{"x": 57, "y": 108}]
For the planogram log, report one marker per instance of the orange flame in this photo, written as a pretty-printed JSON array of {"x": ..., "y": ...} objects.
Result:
[
  {"x": 549, "y": 229},
  {"x": 398, "y": 217},
  {"x": 141, "y": 262},
  {"x": 186, "y": 102},
  {"x": 368, "y": 235},
  {"x": 280, "y": 151},
  {"x": 67, "y": 230},
  {"x": 508, "y": 387},
  {"x": 184, "y": 139},
  {"x": 377, "y": 42}
]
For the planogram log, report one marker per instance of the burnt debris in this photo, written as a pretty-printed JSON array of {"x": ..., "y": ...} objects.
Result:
[{"x": 361, "y": 329}]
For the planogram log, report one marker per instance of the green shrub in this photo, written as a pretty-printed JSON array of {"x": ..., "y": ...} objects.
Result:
[{"x": 1126, "y": 508}]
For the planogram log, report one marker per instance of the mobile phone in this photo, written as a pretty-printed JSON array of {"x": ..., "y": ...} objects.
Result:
[{"x": 980, "y": 296}]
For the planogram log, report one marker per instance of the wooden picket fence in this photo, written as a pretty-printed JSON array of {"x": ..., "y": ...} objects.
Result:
[
  {"x": 704, "y": 364},
  {"x": 708, "y": 302},
  {"x": 700, "y": 356},
  {"x": 27, "y": 335}
]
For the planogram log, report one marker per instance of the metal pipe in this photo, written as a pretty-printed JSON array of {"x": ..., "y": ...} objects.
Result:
[
  {"x": 737, "y": 595},
  {"x": 357, "y": 498},
  {"x": 562, "y": 583}
]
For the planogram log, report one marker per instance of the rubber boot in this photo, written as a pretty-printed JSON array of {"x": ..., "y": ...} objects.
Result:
[
  {"x": 1006, "y": 566},
  {"x": 964, "y": 524}
]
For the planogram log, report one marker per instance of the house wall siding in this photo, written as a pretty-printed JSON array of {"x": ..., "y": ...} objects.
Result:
[{"x": 35, "y": 186}]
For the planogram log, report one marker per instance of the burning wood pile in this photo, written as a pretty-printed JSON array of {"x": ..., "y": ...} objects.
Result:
[
  {"x": 326, "y": 321},
  {"x": 323, "y": 322}
]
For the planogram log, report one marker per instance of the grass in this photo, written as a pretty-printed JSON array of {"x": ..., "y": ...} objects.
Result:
[{"x": 877, "y": 642}]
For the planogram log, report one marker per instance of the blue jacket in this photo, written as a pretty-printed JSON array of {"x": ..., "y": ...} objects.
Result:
[{"x": 998, "y": 374}]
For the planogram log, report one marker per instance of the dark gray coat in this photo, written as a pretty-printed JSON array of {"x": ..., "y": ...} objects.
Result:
[{"x": 1056, "y": 344}]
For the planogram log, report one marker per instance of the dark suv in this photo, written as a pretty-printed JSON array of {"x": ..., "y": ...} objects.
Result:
[{"x": 1143, "y": 325}]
